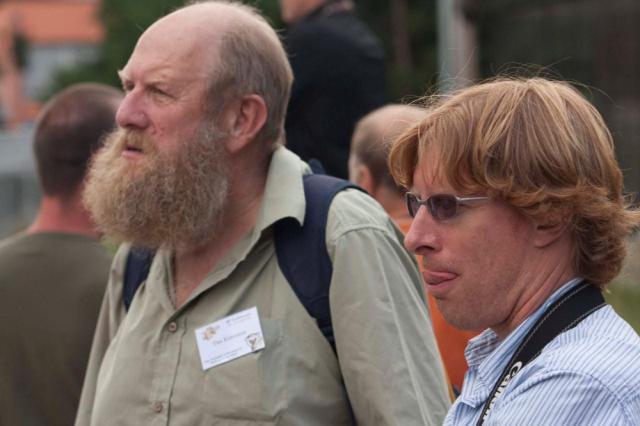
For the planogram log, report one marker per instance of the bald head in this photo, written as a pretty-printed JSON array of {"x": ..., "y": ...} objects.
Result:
[
  {"x": 69, "y": 130},
  {"x": 373, "y": 137},
  {"x": 236, "y": 49},
  {"x": 196, "y": 29}
]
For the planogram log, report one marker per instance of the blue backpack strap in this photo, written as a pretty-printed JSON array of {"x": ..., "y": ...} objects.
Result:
[
  {"x": 302, "y": 251},
  {"x": 135, "y": 272},
  {"x": 316, "y": 166}
]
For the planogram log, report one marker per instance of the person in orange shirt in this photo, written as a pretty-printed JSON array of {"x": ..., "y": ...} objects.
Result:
[{"x": 370, "y": 146}]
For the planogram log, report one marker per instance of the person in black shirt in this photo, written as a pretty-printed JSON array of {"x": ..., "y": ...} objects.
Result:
[{"x": 338, "y": 65}]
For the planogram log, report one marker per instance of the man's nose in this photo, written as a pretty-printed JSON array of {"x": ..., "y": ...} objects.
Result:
[
  {"x": 423, "y": 233},
  {"x": 131, "y": 113}
]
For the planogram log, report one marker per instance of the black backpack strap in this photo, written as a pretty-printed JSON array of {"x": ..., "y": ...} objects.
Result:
[
  {"x": 562, "y": 315},
  {"x": 302, "y": 250},
  {"x": 135, "y": 272}
]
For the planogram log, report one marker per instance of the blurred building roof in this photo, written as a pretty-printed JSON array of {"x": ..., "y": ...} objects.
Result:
[{"x": 54, "y": 21}]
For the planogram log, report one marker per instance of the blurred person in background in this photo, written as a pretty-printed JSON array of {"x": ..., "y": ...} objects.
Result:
[
  {"x": 370, "y": 146},
  {"x": 339, "y": 76},
  {"x": 53, "y": 276},
  {"x": 215, "y": 334},
  {"x": 520, "y": 219}
]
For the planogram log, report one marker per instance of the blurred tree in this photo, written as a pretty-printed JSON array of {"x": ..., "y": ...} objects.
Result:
[
  {"x": 593, "y": 42},
  {"x": 124, "y": 21},
  {"x": 406, "y": 28}
]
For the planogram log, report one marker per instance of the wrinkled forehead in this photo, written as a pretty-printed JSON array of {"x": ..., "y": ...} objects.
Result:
[
  {"x": 179, "y": 40},
  {"x": 190, "y": 34}
]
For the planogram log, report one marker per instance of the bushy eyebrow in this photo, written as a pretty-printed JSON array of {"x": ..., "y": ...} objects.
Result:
[{"x": 158, "y": 83}]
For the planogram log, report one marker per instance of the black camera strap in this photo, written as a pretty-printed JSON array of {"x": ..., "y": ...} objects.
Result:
[{"x": 564, "y": 314}]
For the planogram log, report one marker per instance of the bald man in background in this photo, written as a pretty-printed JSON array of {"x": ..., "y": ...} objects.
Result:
[{"x": 368, "y": 168}]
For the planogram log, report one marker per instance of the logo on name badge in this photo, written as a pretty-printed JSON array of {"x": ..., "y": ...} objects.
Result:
[
  {"x": 210, "y": 332},
  {"x": 254, "y": 340}
]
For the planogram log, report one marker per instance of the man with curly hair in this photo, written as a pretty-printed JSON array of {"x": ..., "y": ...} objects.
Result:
[{"x": 520, "y": 220}]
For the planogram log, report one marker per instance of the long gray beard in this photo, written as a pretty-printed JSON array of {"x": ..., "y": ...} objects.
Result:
[{"x": 160, "y": 199}]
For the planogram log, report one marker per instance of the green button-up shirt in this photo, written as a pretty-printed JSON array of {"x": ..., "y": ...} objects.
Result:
[{"x": 145, "y": 366}]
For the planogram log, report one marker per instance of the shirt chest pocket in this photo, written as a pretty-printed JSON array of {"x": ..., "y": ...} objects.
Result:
[{"x": 244, "y": 390}]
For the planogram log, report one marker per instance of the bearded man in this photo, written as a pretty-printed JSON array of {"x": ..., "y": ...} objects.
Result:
[{"x": 215, "y": 335}]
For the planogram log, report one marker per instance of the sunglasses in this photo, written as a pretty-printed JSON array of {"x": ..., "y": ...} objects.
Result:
[{"x": 440, "y": 206}]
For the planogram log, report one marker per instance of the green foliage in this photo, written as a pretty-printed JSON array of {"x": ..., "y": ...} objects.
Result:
[
  {"x": 624, "y": 293},
  {"x": 125, "y": 20},
  {"x": 625, "y": 299},
  {"x": 20, "y": 47},
  {"x": 97, "y": 71},
  {"x": 405, "y": 84},
  {"x": 271, "y": 11}
]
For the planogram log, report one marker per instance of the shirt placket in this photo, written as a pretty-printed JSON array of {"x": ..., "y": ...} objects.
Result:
[{"x": 169, "y": 349}]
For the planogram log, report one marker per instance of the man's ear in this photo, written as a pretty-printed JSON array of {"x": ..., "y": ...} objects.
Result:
[
  {"x": 364, "y": 179},
  {"x": 549, "y": 232},
  {"x": 245, "y": 118}
]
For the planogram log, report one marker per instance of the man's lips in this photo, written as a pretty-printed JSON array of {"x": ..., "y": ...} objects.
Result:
[
  {"x": 132, "y": 152},
  {"x": 437, "y": 277},
  {"x": 132, "y": 148}
]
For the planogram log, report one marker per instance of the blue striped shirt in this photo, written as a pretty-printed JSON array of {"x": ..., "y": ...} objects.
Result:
[{"x": 589, "y": 375}]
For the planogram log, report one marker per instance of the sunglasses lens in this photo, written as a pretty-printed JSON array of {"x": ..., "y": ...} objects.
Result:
[
  {"x": 412, "y": 204},
  {"x": 443, "y": 206}
]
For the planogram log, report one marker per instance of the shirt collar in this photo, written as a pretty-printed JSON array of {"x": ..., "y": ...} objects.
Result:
[
  {"x": 284, "y": 191},
  {"x": 489, "y": 355},
  {"x": 283, "y": 197}
]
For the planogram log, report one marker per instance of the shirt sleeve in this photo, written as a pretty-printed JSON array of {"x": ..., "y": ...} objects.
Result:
[
  {"x": 111, "y": 315},
  {"x": 386, "y": 348},
  {"x": 561, "y": 398}
]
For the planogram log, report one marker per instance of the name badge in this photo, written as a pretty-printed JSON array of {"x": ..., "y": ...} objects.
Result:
[{"x": 229, "y": 338}]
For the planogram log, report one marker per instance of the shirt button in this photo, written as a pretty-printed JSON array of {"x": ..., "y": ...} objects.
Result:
[
  {"x": 157, "y": 407},
  {"x": 172, "y": 327}
]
